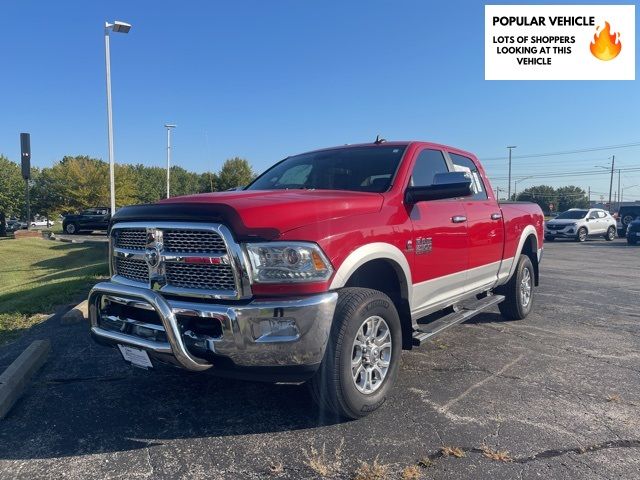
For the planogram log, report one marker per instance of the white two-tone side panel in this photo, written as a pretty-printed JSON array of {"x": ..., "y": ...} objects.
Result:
[{"x": 440, "y": 292}]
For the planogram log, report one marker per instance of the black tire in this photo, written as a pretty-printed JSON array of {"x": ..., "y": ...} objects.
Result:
[
  {"x": 513, "y": 307},
  {"x": 71, "y": 228},
  {"x": 333, "y": 386},
  {"x": 582, "y": 234},
  {"x": 549, "y": 239},
  {"x": 611, "y": 234}
]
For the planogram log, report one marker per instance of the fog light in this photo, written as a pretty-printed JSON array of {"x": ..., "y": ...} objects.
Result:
[{"x": 276, "y": 329}]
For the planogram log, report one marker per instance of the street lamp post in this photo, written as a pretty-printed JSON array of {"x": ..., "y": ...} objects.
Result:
[
  {"x": 509, "y": 187},
  {"x": 117, "y": 27},
  {"x": 169, "y": 126}
]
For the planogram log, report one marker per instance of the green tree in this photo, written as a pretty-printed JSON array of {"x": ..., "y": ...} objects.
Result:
[
  {"x": 46, "y": 198},
  {"x": 208, "y": 182},
  {"x": 543, "y": 195},
  {"x": 235, "y": 172},
  {"x": 571, "y": 197},
  {"x": 12, "y": 187}
]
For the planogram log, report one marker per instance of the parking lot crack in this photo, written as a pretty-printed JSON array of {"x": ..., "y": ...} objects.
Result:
[{"x": 552, "y": 453}]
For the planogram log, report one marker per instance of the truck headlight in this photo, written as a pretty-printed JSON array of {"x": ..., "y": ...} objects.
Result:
[{"x": 287, "y": 262}]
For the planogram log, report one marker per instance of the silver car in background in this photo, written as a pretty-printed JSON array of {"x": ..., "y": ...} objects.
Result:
[{"x": 579, "y": 224}]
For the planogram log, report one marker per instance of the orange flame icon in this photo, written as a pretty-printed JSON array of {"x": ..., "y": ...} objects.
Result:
[{"x": 606, "y": 46}]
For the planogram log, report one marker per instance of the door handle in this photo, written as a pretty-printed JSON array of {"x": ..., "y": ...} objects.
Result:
[
  {"x": 496, "y": 216},
  {"x": 458, "y": 219}
]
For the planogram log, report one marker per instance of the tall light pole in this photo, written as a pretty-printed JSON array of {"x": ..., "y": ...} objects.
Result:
[
  {"x": 515, "y": 184},
  {"x": 117, "y": 27},
  {"x": 509, "y": 187},
  {"x": 169, "y": 126}
]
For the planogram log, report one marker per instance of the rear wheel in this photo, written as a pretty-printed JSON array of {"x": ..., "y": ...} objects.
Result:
[
  {"x": 582, "y": 234},
  {"x": 71, "y": 228},
  {"x": 518, "y": 291},
  {"x": 362, "y": 357},
  {"x": 611, "y": 234}
]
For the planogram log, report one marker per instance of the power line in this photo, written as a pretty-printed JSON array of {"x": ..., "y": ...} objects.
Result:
[
  {"x": 564, "y": 152},
  {"x": 579, "y": 173}
]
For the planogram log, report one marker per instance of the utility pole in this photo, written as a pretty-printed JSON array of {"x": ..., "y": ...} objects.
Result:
[
  {"x": 169, "y": 126},
  {"x": 619, "y": 191},
  {"x": 613, "y": 162},
  {"x": 589, "y": 194},
  {"x": 509, "y": 188}
]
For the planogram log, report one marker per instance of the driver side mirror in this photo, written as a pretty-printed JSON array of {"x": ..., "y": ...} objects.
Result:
[{"x": 445, "y": 185}]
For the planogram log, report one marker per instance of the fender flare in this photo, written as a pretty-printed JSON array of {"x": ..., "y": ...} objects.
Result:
[
  {"x": 526, "y": 233},
  {"x": 368, "y": 252}
]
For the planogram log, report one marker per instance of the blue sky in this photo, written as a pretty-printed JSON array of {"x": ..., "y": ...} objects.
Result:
[{"x": 266, "y": 79}]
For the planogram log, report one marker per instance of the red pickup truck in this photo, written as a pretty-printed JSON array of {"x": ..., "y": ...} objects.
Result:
[{"x": 321, "y": 270}]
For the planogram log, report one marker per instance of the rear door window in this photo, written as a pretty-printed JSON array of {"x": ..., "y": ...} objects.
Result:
[{"x": 465, "y": 164}]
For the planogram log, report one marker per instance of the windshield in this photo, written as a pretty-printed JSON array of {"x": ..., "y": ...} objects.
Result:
[
  {"x": 360, "y": 169},
  {"x": 572, "y": 214}
]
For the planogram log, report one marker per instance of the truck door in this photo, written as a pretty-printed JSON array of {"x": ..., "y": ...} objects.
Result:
[
  {"x": 439, "y": 240},
  {"x": 485, "y": 228}
]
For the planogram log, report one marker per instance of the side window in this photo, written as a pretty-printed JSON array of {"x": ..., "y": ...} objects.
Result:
[
  {"x": 428, "y": 163},
  {"x": 602, "y": 214},
  {"x": 593, "y": 215},
  {"x": 464, "y": 164}
]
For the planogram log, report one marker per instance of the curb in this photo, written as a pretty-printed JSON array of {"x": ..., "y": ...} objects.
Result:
[
  {"x": 77, "y": 314},
  {"x": 14, "y": 379}
]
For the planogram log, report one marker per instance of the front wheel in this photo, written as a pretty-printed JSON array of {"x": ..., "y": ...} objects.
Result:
[
  {"x": 611, "y": 234},
  {"x": 362, "y": 357},
  {"x": 71, "y": 228},
  {"x": 518, "y": 291},
  {"x": 631, "y": 241},
  {"x": 582, "y": 235}
]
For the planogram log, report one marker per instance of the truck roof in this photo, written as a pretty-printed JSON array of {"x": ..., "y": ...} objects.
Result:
[{"x": 400, "y": 143}]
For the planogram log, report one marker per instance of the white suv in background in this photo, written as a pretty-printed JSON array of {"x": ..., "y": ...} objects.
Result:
[{"x": 578, "y": 224}]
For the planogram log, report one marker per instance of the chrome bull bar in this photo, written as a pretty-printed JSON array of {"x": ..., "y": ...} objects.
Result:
[
  {"x": 175, "y": 346},
  {"x": 273, "y": 332}
]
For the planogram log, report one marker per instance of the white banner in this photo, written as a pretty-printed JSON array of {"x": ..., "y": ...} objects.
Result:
[{"x": 559, "y": 42}]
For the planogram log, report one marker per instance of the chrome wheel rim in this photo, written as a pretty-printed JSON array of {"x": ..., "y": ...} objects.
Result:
[
  {"x": 371, "y": 355},
  {"x": 71, "y": 228},
  {"x": 612, "y": 233},
  {"x": 525, "y": 287},
  {"x": 583, "y": 235}
]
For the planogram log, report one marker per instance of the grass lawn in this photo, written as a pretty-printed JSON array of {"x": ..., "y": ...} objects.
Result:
[{"x": 37, "y": 275}]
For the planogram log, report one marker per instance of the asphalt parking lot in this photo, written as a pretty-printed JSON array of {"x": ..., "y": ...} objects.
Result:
[{"x": 559, "y": 391}]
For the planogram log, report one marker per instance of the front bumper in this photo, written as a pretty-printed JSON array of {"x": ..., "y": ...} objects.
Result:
[{"x": 277, "y": 334}]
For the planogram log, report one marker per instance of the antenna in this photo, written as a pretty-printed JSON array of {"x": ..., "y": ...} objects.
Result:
[{"x": 379, "y": 140}]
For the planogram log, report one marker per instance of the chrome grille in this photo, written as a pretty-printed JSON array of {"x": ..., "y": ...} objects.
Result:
[
  {"x": 132, "y": 269},
  {"x": 132, "y": 239},
  {"x": 193, "y": 241},
  {"x": 209, "y": 277},
  {"x": 193, "y": 259}
]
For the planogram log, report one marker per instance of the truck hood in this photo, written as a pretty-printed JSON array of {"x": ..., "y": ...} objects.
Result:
[{"x": 257, "y": 213}]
